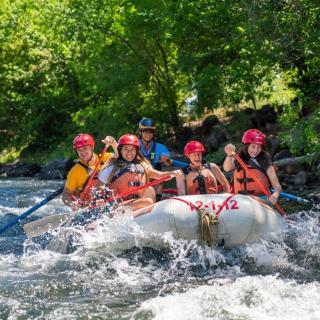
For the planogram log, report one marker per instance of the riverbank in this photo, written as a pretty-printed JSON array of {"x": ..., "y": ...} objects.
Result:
[{"x": 299, "y": 175}]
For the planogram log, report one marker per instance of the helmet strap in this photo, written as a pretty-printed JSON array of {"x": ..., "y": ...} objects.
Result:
[{"x": 146, "y": 141}]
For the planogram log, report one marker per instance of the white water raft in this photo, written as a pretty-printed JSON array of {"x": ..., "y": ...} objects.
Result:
[{"x": 243, "y": 219}]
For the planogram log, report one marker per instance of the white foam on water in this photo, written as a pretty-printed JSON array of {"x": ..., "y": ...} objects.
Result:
[
  {"x": 120, "y": 233},
  {"x": 41, "y": 261},
  {"x": 121, "y": 272},
  {"x": 255, "y": 297},
  {"x": 7, "y": 261},
  {"x": 52, "y": 207},
  {"x": 12, "y": 308},
  {"x": 307, "y": 230}
]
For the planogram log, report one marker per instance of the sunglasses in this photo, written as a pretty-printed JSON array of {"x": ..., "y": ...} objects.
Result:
[{"x": 147, "y": 131}]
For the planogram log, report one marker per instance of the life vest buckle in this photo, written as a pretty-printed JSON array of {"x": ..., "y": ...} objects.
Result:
[
  {"x": 134, "y": 183},
  {"x": 244, "y": 180}
]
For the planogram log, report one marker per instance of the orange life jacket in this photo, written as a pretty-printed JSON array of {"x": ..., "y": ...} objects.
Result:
[
  {"x": 130, "y": 176},
  {"x": 200, "y": 181},
  {"x": 242, "y": 183}
]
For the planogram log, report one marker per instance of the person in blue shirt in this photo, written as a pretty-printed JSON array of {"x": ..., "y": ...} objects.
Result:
[{"x": 154, "y": 151}]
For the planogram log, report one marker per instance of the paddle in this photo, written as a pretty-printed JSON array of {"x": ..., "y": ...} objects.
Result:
[
  {"x": 32, "y": 209},
  {"x": 255, "y": 179},
  {"x": 150, "y": 184},
  {"x": 54, "y": 220},
  {"x": 92, "y": 175},
  {"x": 179, "y": 163},
  {"x": 293, "y": 197},
  {"x": 36, "y": 228}
]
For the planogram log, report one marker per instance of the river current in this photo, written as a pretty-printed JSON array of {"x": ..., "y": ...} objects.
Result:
[{"x": 154, "y": 277}]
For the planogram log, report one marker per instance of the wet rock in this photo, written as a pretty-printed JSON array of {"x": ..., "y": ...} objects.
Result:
[
  {"x": 294, "y": 168},
  {"x": 264, "y": 116},
  {"x": 23, "y": 170},
  {"x": 57, "y": 169},
  {"x": 273, "y": 145},
  {"x": 186, "y": 135},
  {"x": 283, "y": 154},
  {"x": 215, "y": 139},
  {"x": 300, "y": 178},
  {"x": 5, "y": 167},
  {"x": 208, "y": 123},
  {"x": 318, "y": 171}
]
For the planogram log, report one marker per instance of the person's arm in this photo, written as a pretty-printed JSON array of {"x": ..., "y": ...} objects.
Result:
[
  {"x": 271, "y": 173},
  {"x": 178, "y": 174},
  {"x": 103, "y": 176},
  {"x": 164, "y": 154},
  {"x": 111, "y": 141},
  {"x": 72, "y": 187},
  {"x": 155, "y": 174},
  {"x": 67, "y": 197},
  {"x": 71, "y": 199},
  {"x": 228, "y": 163},
  {"x": 181, "y": 185},
  {"x": 220, "y": 177}
]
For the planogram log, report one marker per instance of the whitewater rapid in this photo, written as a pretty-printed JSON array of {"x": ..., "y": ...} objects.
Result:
[{"x": 158, "y": 277}]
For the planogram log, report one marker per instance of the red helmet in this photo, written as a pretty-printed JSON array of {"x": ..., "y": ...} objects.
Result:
[
  {"x": 193, "y": 146},
  {"x": 130, "y": 139},
  {"x": 254, "y": 136},
  {"x": 82, "y": 140}
]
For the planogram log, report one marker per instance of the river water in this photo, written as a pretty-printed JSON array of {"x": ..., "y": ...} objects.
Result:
[{"x": 158, "y": 277}]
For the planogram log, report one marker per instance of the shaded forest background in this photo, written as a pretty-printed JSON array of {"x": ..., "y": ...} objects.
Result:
[{"x": 68, "y": 66}]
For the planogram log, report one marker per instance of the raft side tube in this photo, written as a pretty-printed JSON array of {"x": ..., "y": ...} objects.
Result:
[{"x": 243, "y": 220}]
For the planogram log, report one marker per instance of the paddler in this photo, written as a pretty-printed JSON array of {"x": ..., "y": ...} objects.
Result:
[
  {"x": 202, "y": 177},
  {"x": 152, "y": 150},
  {"x": 157, "y": 153},
  {"x": 253, "y": 153},
  {"x": 80, "y": 173},
  {"x": 130, "y": 171}
]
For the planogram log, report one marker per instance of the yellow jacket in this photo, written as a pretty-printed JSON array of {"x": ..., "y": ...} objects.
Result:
[{"x": 79, "y": 173}]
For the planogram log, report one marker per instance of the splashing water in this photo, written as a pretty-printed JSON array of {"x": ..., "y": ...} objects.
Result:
[{"x": 120, "y": 272}]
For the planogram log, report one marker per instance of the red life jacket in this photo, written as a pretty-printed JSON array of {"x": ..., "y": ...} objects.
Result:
[
  {"x": 242, "y": 183},
  {"x": 200, "y": 181},
  {"x": 130, "y": 176}
]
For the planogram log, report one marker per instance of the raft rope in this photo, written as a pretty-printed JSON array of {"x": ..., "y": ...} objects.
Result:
[
  {"x": 206, "y": 219},
  {"x": 205, "y": 222}
]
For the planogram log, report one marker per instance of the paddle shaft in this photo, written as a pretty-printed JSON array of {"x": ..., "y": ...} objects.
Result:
[
  {"x": 282, "y": 194},
  {"x": 92, "y": 175},
  {"x": 179, "y": 163},
  {"x": 43, "y": 225},
  {"x": 150, "y": 184},
  {"x": 254, "y": 178},
  {"x": 292, "y": 197},
  {"x": 32, "y": 209}
]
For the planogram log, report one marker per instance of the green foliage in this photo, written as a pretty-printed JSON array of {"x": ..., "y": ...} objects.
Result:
[
  {"x": 99, "y": 66},
  {"x": 303, "y": 136},
  {"x": 216, "y": 157},
  {"x": 7, "y": 156},
  {"x": 237, "y": 121}
]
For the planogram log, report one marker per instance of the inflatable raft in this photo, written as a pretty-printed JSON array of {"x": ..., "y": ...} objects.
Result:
[
  {"x": 231, "y": 219},
  {"x": 215, "y": 219}
]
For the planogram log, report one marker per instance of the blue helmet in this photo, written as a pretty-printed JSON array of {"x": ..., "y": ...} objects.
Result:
[{"x": 147, "y": 123}]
